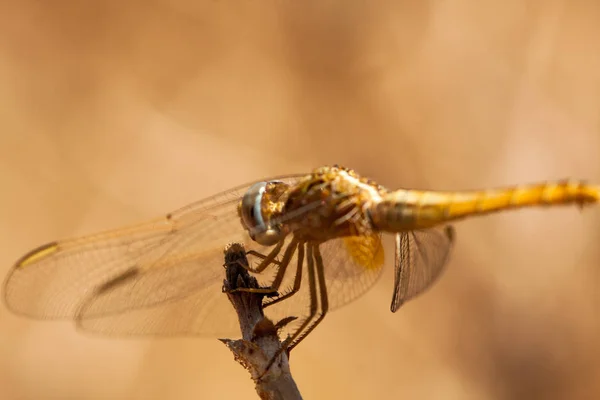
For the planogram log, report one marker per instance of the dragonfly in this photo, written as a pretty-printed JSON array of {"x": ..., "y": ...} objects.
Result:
[{"x": 314, "y": 241}]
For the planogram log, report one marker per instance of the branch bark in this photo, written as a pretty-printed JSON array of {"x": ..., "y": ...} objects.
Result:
[{"x": 260, "y": 341}]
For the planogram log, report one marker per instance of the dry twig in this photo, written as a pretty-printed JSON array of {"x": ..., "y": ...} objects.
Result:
[{"x": 260, "y": 341}]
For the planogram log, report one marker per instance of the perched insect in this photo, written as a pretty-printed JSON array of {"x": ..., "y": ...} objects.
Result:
[{"x": 164, "y": 277}]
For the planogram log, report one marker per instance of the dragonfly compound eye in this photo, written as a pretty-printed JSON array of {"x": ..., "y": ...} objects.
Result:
[{"x": 253, "y": 219}]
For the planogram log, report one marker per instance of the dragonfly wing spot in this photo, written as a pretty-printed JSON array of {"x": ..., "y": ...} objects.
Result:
[
  {"x": 37, "y": 254},
  {"x": 120, "y": 279}
]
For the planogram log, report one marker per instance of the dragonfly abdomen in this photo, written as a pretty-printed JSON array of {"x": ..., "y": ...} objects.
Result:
[{"x": 410, "y": 209}]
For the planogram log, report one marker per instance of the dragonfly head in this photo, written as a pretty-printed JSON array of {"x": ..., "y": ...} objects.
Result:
[{"x": 256, "y": 209}]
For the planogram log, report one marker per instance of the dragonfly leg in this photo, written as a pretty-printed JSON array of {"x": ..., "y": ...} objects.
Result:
[
  {"x": 297, "y": 337},
  {"x": 324, "y": 299},
  {"x": 266, "y": 260},
  {"x": 261, "y": 256},
  {"x": 297, "y": 279},
  {"x": 285, "y": 261}
]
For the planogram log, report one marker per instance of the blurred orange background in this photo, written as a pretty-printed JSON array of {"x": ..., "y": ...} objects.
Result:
[{"x": 114, "y": 112}]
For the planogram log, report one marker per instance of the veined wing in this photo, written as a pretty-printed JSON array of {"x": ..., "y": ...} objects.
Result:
[
  {"x": 351, "y": 265},
  {"x": 133, "y": 268},
  {"x": 420, "y": 259}
]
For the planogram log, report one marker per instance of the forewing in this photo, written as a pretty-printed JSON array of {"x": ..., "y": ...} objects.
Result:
[
  {"x": 204, "y": 311},
  {"x": 159, "y": 262},
  {"x": 419, "y": 260}
]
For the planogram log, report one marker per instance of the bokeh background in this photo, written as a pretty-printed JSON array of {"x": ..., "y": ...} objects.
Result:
[{"x": 113, "y": 112}]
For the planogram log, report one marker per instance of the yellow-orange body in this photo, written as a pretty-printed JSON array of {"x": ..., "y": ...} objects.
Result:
[
  {"x": 403, "y": 210},
  {"x": 345, "y": 204}
]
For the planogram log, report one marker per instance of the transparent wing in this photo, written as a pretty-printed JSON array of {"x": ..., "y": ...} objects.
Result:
[
  {"x": 352, "y": 265},
  {"x": 420, "y": 259},
  {"x": 175, "y": 259}
]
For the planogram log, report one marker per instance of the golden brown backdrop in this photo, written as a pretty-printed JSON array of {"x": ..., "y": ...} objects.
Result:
[{"x": 112, "y": 112}]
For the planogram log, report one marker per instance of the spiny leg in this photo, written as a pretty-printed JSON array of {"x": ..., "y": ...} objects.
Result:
[
  {"x": 313, "y": 308},
  {"x": 297, "y": 279},
  {"x": 261, "y": 256},
  {"x": 266, "y": 260},
  {"x": 323, "y": 291},
  {"x": 287, "y": 256}
]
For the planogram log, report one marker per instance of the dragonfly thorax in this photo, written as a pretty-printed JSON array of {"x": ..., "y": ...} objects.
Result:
[{"x": 330, "y": 203}]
